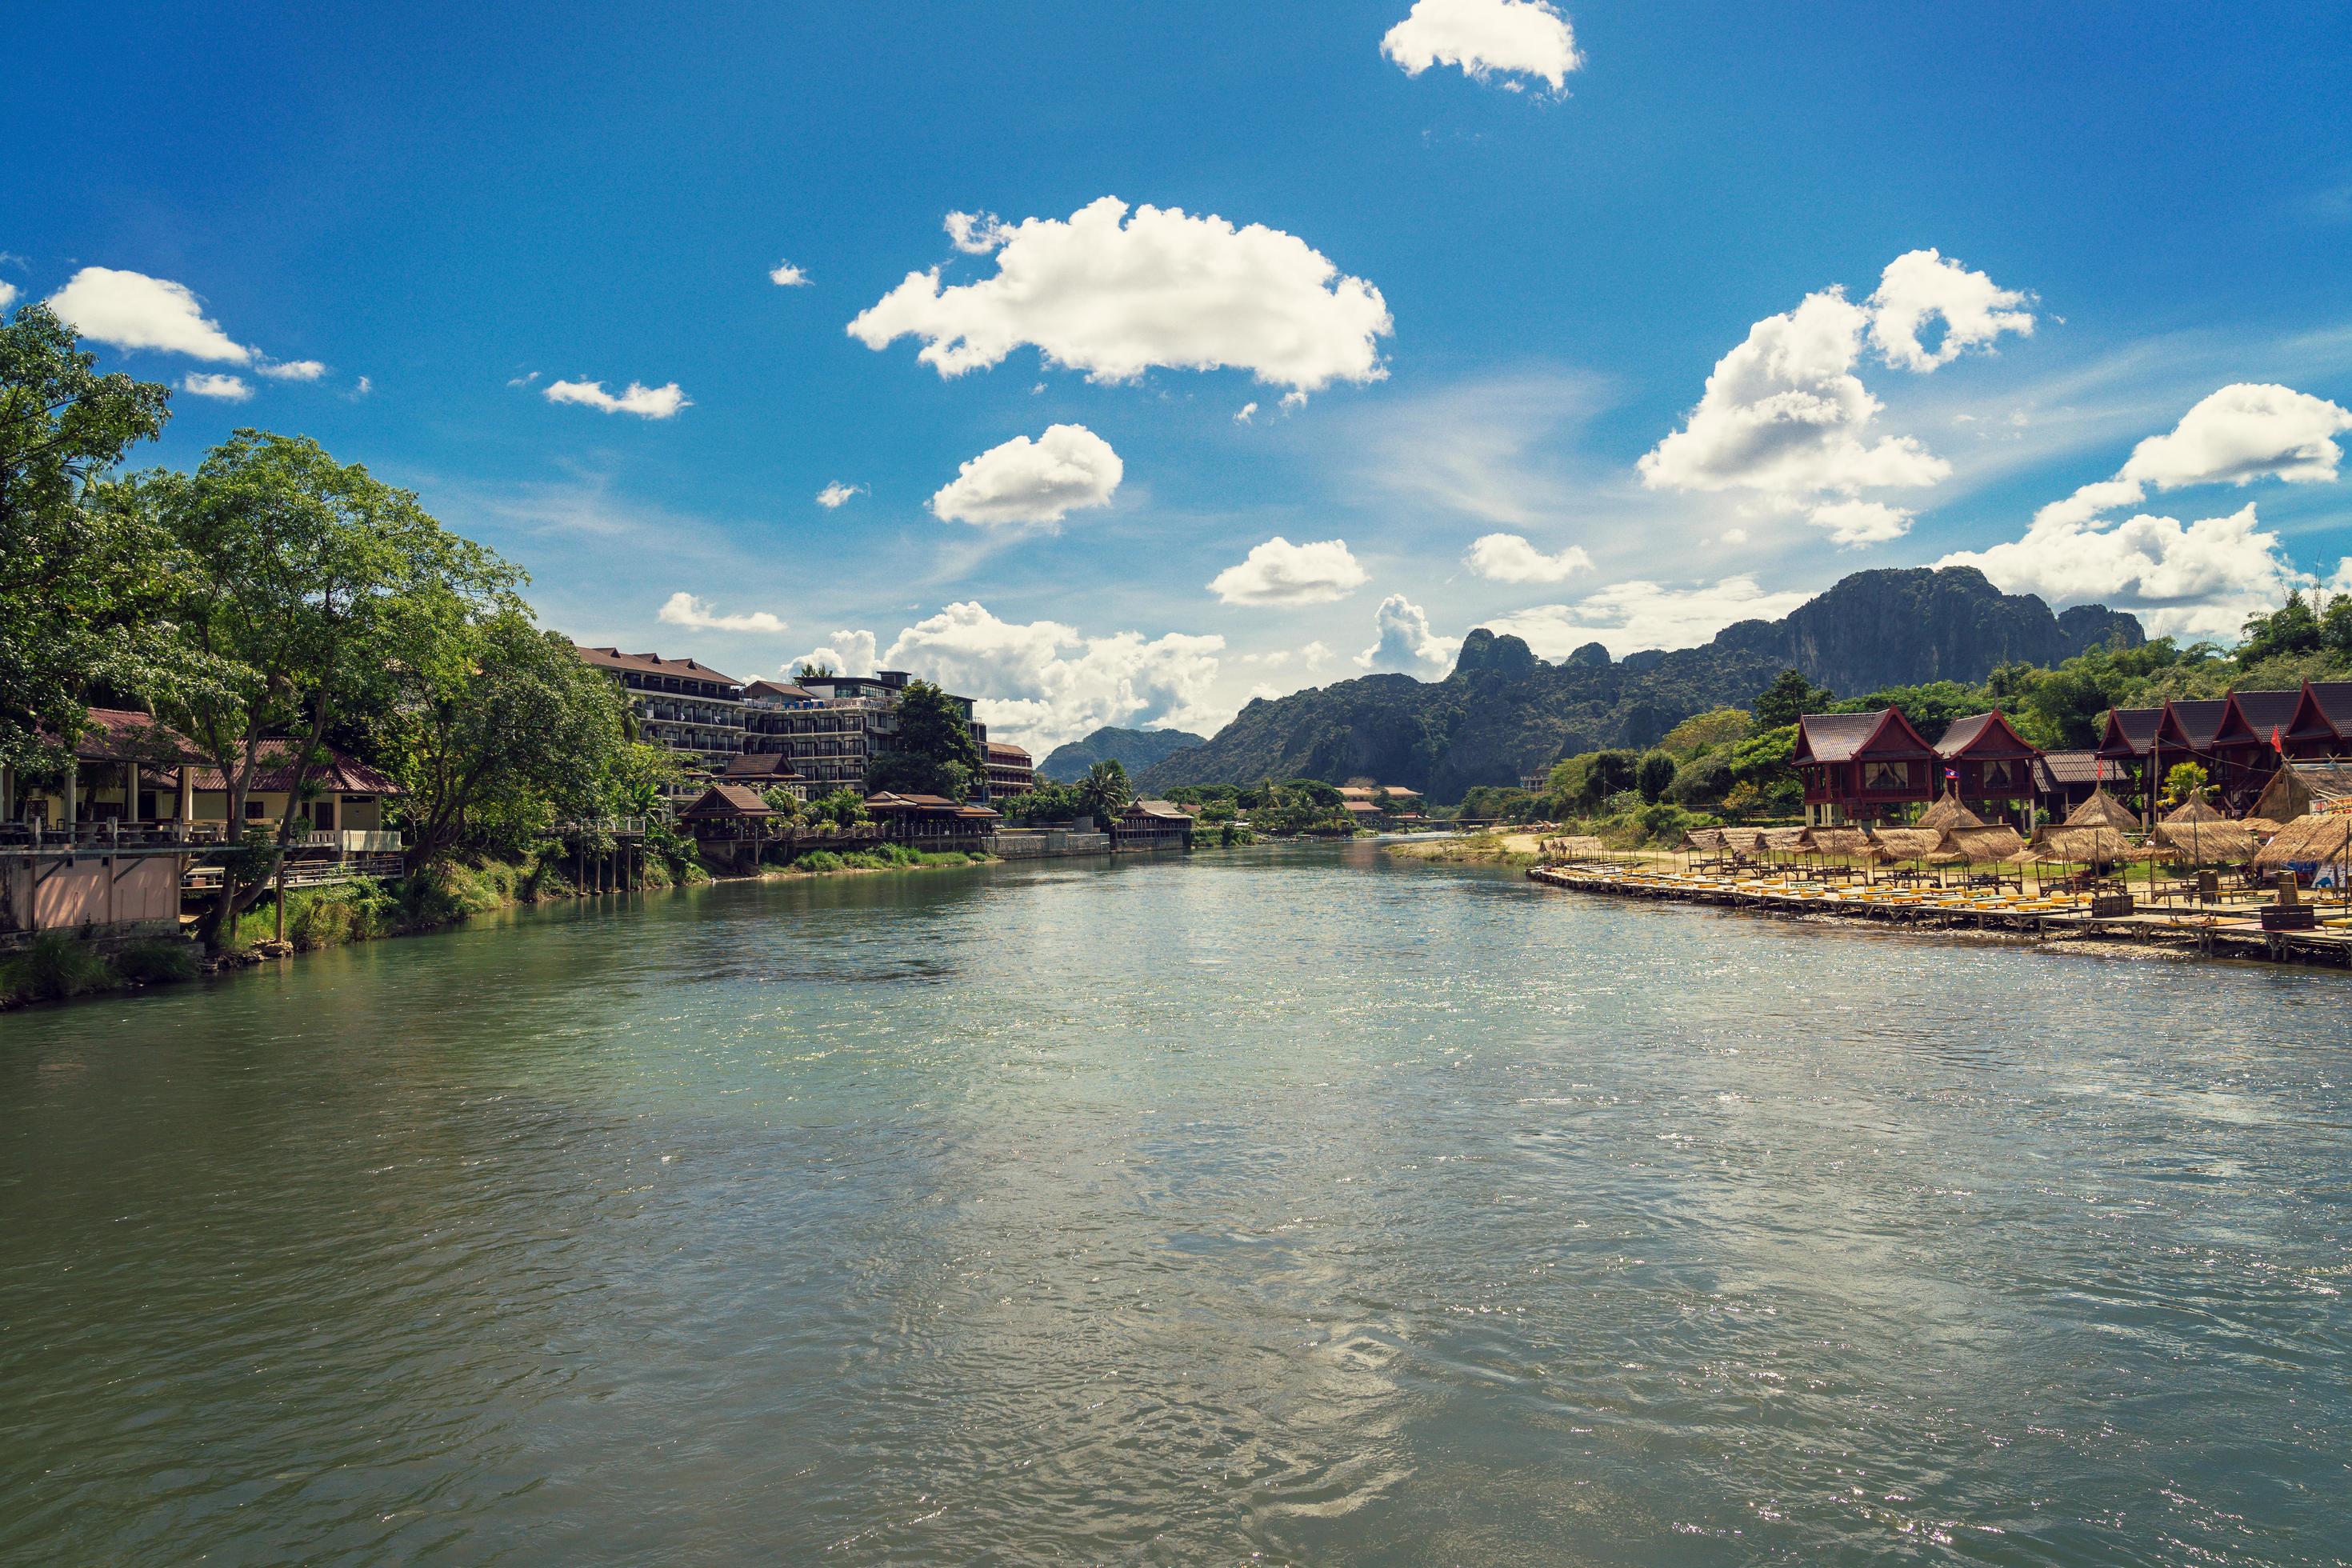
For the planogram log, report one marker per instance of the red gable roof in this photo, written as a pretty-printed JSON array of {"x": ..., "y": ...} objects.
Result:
[
  {"x": 2249, "y": 717},
  {"x": 722, "y": 800},
  {"x": 2130, "y": 732},
  {"x": 1984, "y": 735},
  {"x": 2323, "y": 712},
  {"x": 651, "y": 664},
  {"x": 2190, "y": 724},
  {"x": 1886, "y": 735}
]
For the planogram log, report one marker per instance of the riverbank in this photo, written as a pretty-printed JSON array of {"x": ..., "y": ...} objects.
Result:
[{"x": 2052, "y": 924}]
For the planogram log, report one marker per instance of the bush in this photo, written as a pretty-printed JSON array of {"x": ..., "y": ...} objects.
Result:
[
  {"x": 160, "y": 961},
  {"x": 52, "y": 969},
  {"x": 819, "y": 861}
]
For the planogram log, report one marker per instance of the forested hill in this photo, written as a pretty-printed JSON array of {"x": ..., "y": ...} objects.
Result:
[
  {"x": 1503, "y": 713},
  {"x": 1134, "y": 750}
]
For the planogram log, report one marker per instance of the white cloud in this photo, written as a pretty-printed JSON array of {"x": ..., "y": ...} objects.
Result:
[
  {"x": 1783, "y": 413},
  {"x": 1785, "y": 416},
  {"x": 361, "y": 388},
  {"x": 523, "y": 380},
  {"x": 1241, "y": 416},
  {"x": 834, "y": 494},
  {"x": 8, "y": 295},
  {"x": 1920, "y": 285},
  {"x": 2244, "y": 432},
  {"x": 651, "y": 402},
  {"x": 1851, "y": 523},
  {"x": 1025, "y": 482},
  {"x": 975, "y": 234},
  {"x": 1115, "y": 298},
  {"x": 683, "y": 609},
  {"x": 1525, "y": 38},
  {"x": 1509, "y": 558},
  {"x": 205, "y": 384},
  {"x": 1042, "y": 683},
  {"x": 1404, "y": 642},
  {"x": 133, "y": 310},
  {"x": 1317, "y": 653},
  {"x": 785, "y": 275},
  {"x": 1627, "y": 618},
  {"x": 1281, "y": 573},
  {"x": 843, "y": 653},
  {"x": 2197, "y": 578},
  {"x": 292, "y": 370}
]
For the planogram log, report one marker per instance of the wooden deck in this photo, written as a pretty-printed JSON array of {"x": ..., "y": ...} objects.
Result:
[{"x": 2226, "y": 930}]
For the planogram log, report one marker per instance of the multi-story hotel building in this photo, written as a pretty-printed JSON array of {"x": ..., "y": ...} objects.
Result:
[
  {"x": 1010, "y": 771},
  {"x": 828, "y": 729},
  {"x": 689, "y": 707}
]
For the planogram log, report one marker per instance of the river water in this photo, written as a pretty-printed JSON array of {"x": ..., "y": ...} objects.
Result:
[{"x": 1282, "y": 1204}]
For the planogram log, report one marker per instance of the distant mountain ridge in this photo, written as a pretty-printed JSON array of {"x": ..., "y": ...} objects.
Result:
[
  {"x": 1134, "y": 750},
  {"x": 1503, "y": 713}
]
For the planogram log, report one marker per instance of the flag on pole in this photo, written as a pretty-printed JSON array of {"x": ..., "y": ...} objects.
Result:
[{"x": 2277, "y": 744}]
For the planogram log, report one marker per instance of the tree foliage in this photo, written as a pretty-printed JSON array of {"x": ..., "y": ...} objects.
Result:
[{"x": 933, "y": 752}]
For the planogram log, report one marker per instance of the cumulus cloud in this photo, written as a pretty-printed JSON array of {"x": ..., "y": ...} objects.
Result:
[
  {"x": 2244, "y": 432},
  {"x": 2196, "y": 579},
  {"x": 834, "y": 494},
  {"x": 1626, "y": 617},
  {"x": 292, "y": 370},
  {"x": 843, "y": 653},
  {"x": 1041, "y": 683},
  {"x": 1509, "y": 558},
  {"x": 1785, "y": 417},
  {"x": 975, "y": 234},
  {"x": 1856, "y": 522},
  {"x": 206, "y": 383},
  {"x": 785, "y": 275},
  {"x": 1115, "y": 297},
  {"x": 1922, "y": 286},
  {"x": 650, "y": 402},
  {"x": 133, "y": 310},
  {"x": 8, "y": 295},
  {"x": 1281, "y": 573},
  {"x": 1403, "y": 642},
  {"x": 1517, "y": 37},
  {"x": 1025, "y": 482},
  {"x": 683, "y": 609},
  {"x": 1241, "y": 416}
]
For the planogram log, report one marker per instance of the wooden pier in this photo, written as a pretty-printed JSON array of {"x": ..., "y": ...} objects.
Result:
[{"x": 2227, "y": 932}]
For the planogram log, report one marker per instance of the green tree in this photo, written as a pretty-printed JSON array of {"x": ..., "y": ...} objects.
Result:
[
  {"x": 1932, "y": 707},
  {"x": 1048, "y": 802},
  {"x": 318, "y": 584},
  {"x": 2184, "y": 782},
  {"x": 80, "y": 579},
  {"x": 1789, "y": 698},
  {"x": 1606, "y": 774},
  {"x": 933, "y": 752},
  {"x": 1105, "y": 791},
  {"x": 2294, "y": 628},
  {"x": 781, "y": 800},
  {"x": 844, "y": 807},
  {"x": 496, "y": 729},
  {"x": 1655, "y": 776},
  {"x": 1709, "y": 731},
  {"x": 812, "y": 671}
]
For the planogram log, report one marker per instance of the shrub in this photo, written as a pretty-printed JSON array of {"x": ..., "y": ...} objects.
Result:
[
  {"x": 53, "y": 968},
  {"x": 818, "y": 860},
  {"x": 159, "y": 961}
]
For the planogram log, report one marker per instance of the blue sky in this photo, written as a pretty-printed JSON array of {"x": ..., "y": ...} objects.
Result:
[{"x": 466, "y": 205}]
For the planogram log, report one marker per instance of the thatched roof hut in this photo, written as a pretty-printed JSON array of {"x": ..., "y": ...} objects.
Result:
[
  {"x": 2299, "y": 789},
  {"x": 1907, "y": 843},
  {"x": 1837, "y": 841},
  {"x": 2102, "y": 810},
  {"x": 1703, "y": 840},
  {"x": 2259, "y": 826},
  {"x": 1948, "y": 813},
  {"x": 2313, "y": 848},
  {"x": 2085, "y": 846},
  {"x": 1783, "y": 840},
  {"x": 2203, "y": 843},
  {"x": 1978, "y": 845},
  {"x": 2194, "y": 810}
]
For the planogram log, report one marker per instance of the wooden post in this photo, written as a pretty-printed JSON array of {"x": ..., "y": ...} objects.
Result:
[{"x": 281, "y": 892}]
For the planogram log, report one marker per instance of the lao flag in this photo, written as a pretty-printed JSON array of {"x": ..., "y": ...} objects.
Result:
[{"x": 2276, "y": 745}]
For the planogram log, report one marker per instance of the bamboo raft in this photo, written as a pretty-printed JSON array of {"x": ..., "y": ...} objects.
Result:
[{"x": 2047, "y": 917}]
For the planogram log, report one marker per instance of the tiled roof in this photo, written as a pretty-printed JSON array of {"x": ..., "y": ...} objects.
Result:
[
  {"x": 651, "y": 664},
  {"x": 1841, "y": 737},
  {"x": 273, "y": 771},
  {"x": 729, "y": 800},
  {"x": 1986, "y": 734},
  {"x": 1000, "y": 751},
  {"x": 2070, "y": 767},
  {"x": 117, "y": 735},
  {"x": 759, "y": 765}
]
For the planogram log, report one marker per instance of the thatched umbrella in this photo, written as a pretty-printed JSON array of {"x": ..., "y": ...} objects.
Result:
[
  {"x": 2312, "y": 846},
  {"x": 2102, "y": 810},
  {"x": 2199, "y": 843},
  {"x": 2259, "y": 826},
  {"x": 2082, "y": 846},
  {"x": 1948, "y": 813},
  {"x": 1974, "y": 844},
  {"x": 2194, "y": 810}
]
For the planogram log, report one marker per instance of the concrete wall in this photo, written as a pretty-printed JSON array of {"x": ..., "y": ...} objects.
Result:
[{"x": 1029, "y": 844}]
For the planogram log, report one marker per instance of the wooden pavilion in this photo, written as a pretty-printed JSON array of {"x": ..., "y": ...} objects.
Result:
[
  {"x": 2250, "y": 742},
  {"x": 1861, "y": 767},
  {"x": 1985, "y": 759},
  {"x": 2127, "y": 743}
]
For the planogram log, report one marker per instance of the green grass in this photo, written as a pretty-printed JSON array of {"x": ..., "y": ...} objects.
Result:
[{"x": 54, "y": 968}]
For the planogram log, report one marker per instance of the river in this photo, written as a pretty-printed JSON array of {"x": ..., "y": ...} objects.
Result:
[{"x": 1279, "y": 1202}]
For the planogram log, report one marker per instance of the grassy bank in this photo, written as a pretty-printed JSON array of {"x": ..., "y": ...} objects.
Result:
[
  {"x": 58, "y": 968},
  {"x": 881, "y": 858}
]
